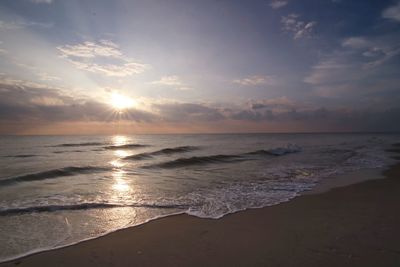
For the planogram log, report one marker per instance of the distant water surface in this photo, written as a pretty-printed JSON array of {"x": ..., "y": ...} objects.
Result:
[{"x": 59, "y": 190}]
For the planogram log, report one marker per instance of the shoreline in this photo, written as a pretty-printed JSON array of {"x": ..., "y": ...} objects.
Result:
[
  {"x": 347, "y": 179},
  {"x": 330, "y": 183},
  {"x": 205, "y": 234}
]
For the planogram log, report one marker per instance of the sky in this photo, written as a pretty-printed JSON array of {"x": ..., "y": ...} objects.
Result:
[{"x": 199, "y": 66}]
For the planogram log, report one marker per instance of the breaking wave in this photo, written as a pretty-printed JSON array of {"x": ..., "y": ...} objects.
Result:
[
  {"x": 184, "y": 162},
  {"x": 85, "y": 206},
  {"x": 126, "y": 146},
  {"x": 66, "y": 151},
  {"x": 165, "y": 151},
  {"x": 62, "y": 172},
  {"x": 21, "y": 156},
  {"x": 279, "y": 151},
  {"x": 79, "y": 144}
]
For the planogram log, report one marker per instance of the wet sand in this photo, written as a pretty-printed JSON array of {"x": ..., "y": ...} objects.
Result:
[{"x": 355, "y": 225}]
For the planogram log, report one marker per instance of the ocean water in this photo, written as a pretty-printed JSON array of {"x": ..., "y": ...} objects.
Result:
[{"x": 60, "y": 190}]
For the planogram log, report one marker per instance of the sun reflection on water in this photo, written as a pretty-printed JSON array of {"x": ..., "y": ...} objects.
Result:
[
  {"x": 121, "y": 189},
  {"x": 120, "y": 185},
  {"x": 117, "y": 164},
  {"x": 118, "y": 140},
  {"x": 121, "y": 153}
]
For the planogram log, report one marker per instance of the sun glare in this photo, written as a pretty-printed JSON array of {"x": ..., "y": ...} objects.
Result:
[{"x": 121, "y": 102}]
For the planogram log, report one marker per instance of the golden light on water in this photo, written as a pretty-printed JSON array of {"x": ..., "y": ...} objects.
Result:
[
  {"x": 118, "y": 140},
  {"x": 120, "y": 184},
  {"x": 117, "y": 163},
  {"x": 121, "y": 153}
]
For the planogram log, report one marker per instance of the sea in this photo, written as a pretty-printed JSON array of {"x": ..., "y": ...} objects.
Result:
[{"x": 60, "y": 190}]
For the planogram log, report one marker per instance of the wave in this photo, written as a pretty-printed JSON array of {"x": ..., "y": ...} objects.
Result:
[
  {"x": 21, "y": 156},
  {"x": 217, "y": 202},
  {"x": 140, "y": 156},
  {"x": 86, "y": 206},
  {"x": 66, "y": 151},
  {"x": 126, "y": 146},
  {"x": 184, "y": 162},
  {"x": 165, "y": 151},
  {"x": 279, "y": 151},
  {"x": 179, "y": 149},
  {"x": 79, "y": 144},
  {"x": 51, "y": 174}
]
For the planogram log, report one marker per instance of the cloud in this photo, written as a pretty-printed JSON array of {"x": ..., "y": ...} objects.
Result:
[
  {"x": 275, "y": 4},
  {"x": 3, "y": 51},
  {"x": 21, "y": 23},
  {"x": 103, "y": 57},
  {"x": 41, "y": 1},
  {"x": 318, "y": 118},
  {"x": 47, "y": 101},
  {"x": 113, "y": 70},
  {"x": 173, "y": 81},
  {"x": 284, "y": 113},
  {"x": 27, "y": 102},
  {"x": 392, "y": 12},
  {"x": 376, "y": 50},
  {"x": 169, "y": 81},
  {"x": 8, "y": 25},
  {"x": 300, "y": 29},
  {"x": 331, "y": 70},
  {"x": 355, "y": 42},
  {"x": 381, "y": 55},
  {"x": 270, "y": 109},
  {"x": 362, "y": 71},
  {"x": 263, "y": 109},
  {"x": 44, "y": 76},
  {"x": 104, "y": 48},
  {"x": 190, "y": 112},
  {"x": 342, "y": 77},
  {"x": 278, "y": 104},
  {"x": 29, "y": 107},
  {"x": 255, "y": 80}
]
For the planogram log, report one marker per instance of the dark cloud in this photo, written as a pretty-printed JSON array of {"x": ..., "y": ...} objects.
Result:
[
  {"x": 252, "y": 115},
  {"x": 322, "y": 118},
  {"x": 188, "y": 112},
  {"x": 26, "y": 105},
  {"x": 22, "y": 101}
]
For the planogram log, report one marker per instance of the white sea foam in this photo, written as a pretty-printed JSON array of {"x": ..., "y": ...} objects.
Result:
[{"x": 225, "y": 175}]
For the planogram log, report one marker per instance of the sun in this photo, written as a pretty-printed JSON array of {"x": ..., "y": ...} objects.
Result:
[{"x": 120, "y": 102}]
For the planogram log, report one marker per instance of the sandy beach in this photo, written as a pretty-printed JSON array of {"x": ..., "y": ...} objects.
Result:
[
  {"x": 199, "y": 133},
  {"x": 355, "y": 225}
]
